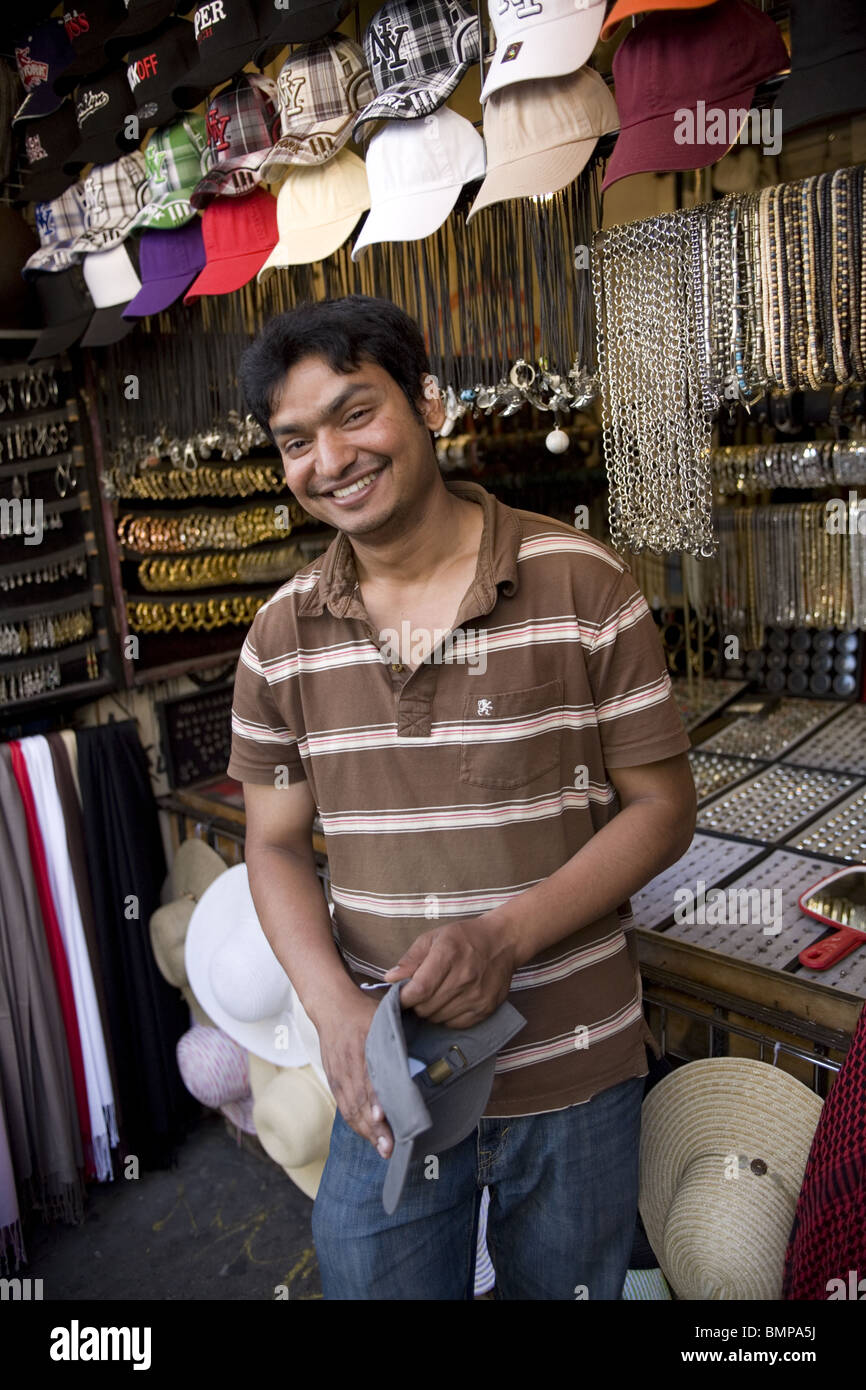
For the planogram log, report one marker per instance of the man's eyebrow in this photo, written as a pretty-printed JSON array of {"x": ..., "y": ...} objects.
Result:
[{"x": 335, "y": 406}]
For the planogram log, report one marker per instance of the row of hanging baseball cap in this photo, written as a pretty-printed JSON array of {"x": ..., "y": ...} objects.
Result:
[{"x": 416, "y": 53}]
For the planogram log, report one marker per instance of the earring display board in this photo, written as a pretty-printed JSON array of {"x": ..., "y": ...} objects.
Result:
[
  {"x": 770, "y": 807},
  {"x": 708, "y": 860},
  {"x": 699, "y": 700},
  {"x": 840, "y": 745},
  {"x": 759, "y": 919},
  {"x": 196, "y": 735},
  {"x": 840, "y": 834},
  {"x": 713, "y": 772},
  {"x": 775, "y": 733},
  {"x": 55, "y": 631}
]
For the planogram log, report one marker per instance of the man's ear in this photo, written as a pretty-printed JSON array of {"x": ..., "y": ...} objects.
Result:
[{"x": 431, "y": 404}]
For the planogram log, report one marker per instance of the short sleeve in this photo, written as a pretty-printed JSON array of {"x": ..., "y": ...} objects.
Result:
[
  {"x": 264, "y": 749},
  {"x": 638, "y": 719}
]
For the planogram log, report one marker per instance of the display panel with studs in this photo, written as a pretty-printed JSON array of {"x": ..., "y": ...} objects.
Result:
[
  {"x": 839, "y": 746},
  {"x": 757, "y": 917},
  {"x": 708, "y": 859},
  {"x": 775, "y": 803},
  {"x": 840, "y": 834},
  {"x": 715, "y": 771},
  {"x": 774, "y": 733}
]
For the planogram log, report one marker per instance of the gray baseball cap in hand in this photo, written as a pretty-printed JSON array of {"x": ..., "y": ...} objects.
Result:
[{"x": 440, "y": 1104}]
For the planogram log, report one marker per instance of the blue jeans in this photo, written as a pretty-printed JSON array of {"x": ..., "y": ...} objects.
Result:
[{"x": 563, "y": 1207}]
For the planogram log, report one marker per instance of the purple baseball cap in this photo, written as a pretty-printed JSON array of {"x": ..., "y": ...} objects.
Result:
[{"x": 168, "y": 262}]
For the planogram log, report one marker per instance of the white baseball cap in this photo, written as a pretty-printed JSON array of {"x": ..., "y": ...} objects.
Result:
[
  {"x": 416, "y": 170},
  {"x": 112, "y": 281},
  {"x": 318, "y": 206},
  {"x": 541, "y": 38}
]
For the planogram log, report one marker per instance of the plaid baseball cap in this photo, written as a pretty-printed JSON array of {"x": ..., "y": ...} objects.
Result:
[
  {"x": 302, "y": 21},
  {"x": 227, "y": 34},
  {"x": 239, "y": 235},
  {"x": 142, "y": 17},
  {"x": 113, "y": 194},
  {"x": 417, "y": 53},
  {"x": 174, "y": 161},
  {"x": 154, "y": 67},
  {"x": 541, "y": 38},
  {"x": 101, "y": 108},
  {"x": 168, "y": 262},
  {"x": 88, "y": 26},
  {"x": 41, "y": 56},
  {"x": 59, "y": 223},
  {"x": 47, "y": 143},
  {"x": 241, "y": 124},
  {"x": 321, "y": 87}
]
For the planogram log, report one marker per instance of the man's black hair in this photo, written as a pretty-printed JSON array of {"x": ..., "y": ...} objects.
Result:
[{"x": 344, "y": 332}]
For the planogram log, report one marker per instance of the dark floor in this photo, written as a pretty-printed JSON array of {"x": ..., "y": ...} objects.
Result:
[{"x": 226, "y": 1223}]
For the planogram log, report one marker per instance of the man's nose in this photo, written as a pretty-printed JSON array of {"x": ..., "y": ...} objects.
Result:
[{"x": 335, "y": 454}]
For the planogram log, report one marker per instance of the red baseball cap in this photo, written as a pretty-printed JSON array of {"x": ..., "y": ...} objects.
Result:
[
  {"x": 673, "y": 61},
  {"x": 239, "y": 234}
]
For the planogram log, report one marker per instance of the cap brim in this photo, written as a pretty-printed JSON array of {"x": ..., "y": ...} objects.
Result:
[
  {"x": 218, "y": 182},
  {"x": 50, "y": 259},
  {"x": 142, "y": 22},
  {"x": 408, "y": 218},
  {"x": 649, "y": 146},
  {"x": 309, "y": 244},
  {"x": 107, "y": 326},
  {"x": 546, "y": 50},
  {"x": 70, "y": 77},
  {"x": 102, "y": 149},
  {"x": 624, "y": 10},
  {"x": 312, "y": 24},
  {"x": 156, "y": 113},
  {"x": 534, "y": 174},
  {"x": 409, "y": 101},
  {"x": 395, "y": 1174},
  {"x": 43, "y": 102},
  {"x": 298, "y": 149},
  {"x": 201, "y": 80},
  {"x": 823, "y": 91},
  {"x": 156, "y": 295},
  {"x": 224, "y": 276},
  {"x": 48, "y": 184},
  {"x": 58, "y": 338},
  {"x": 173, "y": 211}
]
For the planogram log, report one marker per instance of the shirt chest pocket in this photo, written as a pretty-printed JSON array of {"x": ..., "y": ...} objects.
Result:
[{"x": 511, "y": 738}]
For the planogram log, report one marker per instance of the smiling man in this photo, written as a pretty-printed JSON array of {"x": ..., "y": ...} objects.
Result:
[{"x": 485, "y": 823}]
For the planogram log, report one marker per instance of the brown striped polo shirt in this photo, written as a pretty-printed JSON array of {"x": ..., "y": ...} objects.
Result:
[{"x": 447, "y": 790}]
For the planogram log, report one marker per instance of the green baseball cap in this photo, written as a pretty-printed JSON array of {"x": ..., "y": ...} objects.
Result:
[{"x": 176, "y": 157}]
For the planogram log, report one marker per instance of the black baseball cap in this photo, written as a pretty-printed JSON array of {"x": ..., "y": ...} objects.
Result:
[
  {"x": 432, "y": 1082},
  {"x": 303, "y": 22},
  {"x": 88, "y": 26},
  {"x": 153, "y": 69},
  {"x": 101, "y": 108},
  {"x": 47, "y": 144},
  {"x": 828, "y": 54},
  {"x": 67, "y": 310},
  {"x": 143, "y": 18},
  {"x": 227, "y": 33}
]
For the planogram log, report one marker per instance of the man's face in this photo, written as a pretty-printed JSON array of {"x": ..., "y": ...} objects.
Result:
[{"x": 354, "y": 453}]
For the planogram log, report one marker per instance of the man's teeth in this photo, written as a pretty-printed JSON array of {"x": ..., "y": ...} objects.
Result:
[{"x": 355, "y": 487}]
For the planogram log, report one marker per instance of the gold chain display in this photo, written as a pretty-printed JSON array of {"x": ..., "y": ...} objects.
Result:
[
  {"x": 209, "y": 571},
  {"x": 200, "y": 615},
  {"x": 208, "y": 530},
  {"x": 162, "y": 484}
]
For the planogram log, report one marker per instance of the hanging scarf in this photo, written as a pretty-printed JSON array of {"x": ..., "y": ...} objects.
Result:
[
  {"x": 11, "y": 1239},
  {"x": 147, "y": 1015},
  {"x": 70, "y": 800},
  {"x": 103, "y": 1127},
  {"x": 56, "y": 950},
  {"x": 35, "y": 1071}
]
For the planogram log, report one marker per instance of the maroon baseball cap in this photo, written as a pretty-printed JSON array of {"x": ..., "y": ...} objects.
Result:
[{"x": 675, "y": 60}]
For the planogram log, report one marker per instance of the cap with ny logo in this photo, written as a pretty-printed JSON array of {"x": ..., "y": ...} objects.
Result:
[{"x": 417, "y": 53}]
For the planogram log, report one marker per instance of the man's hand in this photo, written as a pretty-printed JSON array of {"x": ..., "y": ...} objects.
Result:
[
  {"x": 342, "y": 1039},
  {"x": 460, "y": 972}
]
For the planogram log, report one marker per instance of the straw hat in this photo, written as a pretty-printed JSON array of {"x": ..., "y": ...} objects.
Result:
[
  {"x": 293, "y": 1114},
  {"x": 194, "y": 869},
  {"x": 213, "y": 1068},
  {"x": 724, "y": 1145}
]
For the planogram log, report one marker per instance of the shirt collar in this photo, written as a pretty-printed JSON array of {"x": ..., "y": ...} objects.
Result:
[{"x": 497, "y": 561}]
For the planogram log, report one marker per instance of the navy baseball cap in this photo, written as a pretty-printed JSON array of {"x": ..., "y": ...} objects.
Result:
[{"x": 42, "y": 56}]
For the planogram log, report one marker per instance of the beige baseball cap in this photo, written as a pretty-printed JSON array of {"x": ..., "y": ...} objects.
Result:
[
  {"x": 541, "y": 134},
  {"x": 318, "y": 205}
]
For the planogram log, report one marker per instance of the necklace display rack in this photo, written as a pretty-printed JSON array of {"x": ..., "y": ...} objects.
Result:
[{"x": 55, "y": 636}]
